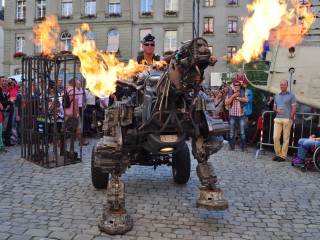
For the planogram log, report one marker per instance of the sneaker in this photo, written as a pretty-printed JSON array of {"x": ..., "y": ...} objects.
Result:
[
  {"x": 297, "y": 161},
  {"x": 276, "y": 158},
  {"x": 280, "y": 159},
  {"x": 231, "y": 149},
  {"x": 9, "y": 144},
  {"x": 245, "y": 150},
  {"x": 2, "y": 149}
]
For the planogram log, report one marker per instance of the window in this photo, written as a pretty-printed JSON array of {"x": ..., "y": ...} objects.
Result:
[
  {"x": 211, "y": 49},
  {"x": 232, "y": 2},
  {"x": 170, "y": 40},
  {"x": 113, "y": 41},
  {"x": 18, "y": 71},
  {"x": 21, "y": 10},
  {"x": 20, "y": 43},
  {"x": 114, "y": 7},
  {"x": 38, "y": 42},
  {"x": 232, "y": 24},
  {"x": 231, "y": 51},
  {"x": 208, "y": 3},
  {"x": 208, "y": 25},
  {"x": 91, "y": 39},
  {"x": 143, "y": 33},
  {"x": 66, "y": 8},
  {"x": 65, "y": 41},
  {"x": 40, "y": 9},
  {"x": 90, "y": 8},
  {"x": 146, "y": 6},
  {"x": 171, "y": 5},
  {"x": 303, "y": 2},
  {"x": 64, "y": 70}
]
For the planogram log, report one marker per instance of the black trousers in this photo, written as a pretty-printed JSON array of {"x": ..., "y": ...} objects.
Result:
[{"x": 8, "y": 133}]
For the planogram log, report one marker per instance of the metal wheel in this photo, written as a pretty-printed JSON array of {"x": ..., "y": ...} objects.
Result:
[
  {"x": 99, "y": 179},
  {"x": 303, "y": 168},
  {"x": 316, "y": 158}
]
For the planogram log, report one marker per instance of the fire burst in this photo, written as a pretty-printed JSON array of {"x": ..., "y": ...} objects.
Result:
[
  {"x": 272, "y": 20},
  {"x": 47, "y": 34},
  {"x": 101, "y": 70}
]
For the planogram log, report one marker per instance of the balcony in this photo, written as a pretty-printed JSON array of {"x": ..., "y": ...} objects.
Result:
[
  {"x": 88, "y": 16},
  {"x": 208, "y": 32},
  {"x": 40, "y": 19},
  {"x": 146, "y": 14},
  {"x": 65, "y": 17},
  {"x": 114, "y": 15},
  {"x": 172, "y": 13},
  {"x": 20, "y": 20},
  {"x": 232, "y": 3},
  {"x": 19, "y": 54},
  {"x": 65, "y": 52}
]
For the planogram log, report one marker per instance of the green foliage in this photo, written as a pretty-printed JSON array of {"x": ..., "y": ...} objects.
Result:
[
  {"x": 257, "y": 73},
  {"x": 259, "y": 102}
]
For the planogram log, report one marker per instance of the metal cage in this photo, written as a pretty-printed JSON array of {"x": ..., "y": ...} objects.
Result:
[{"x": 48, "y": 139}]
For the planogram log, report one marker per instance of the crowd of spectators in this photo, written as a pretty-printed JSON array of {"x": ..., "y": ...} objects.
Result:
[
  {"x": 10, "y": 111},
  {"x": 233, "y": 103},
  {"x": 41, "y": 96},
  {"x": 233, "y": 94}
]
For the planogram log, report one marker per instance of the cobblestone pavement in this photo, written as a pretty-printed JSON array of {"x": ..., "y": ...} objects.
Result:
[{"x": 267, "y": 200}]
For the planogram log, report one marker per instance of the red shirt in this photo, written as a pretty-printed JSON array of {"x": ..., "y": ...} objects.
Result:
[
  {"x": 13, "y": 91},
  {"x": 242, "y": 80},
  {"x": 1, "y": 117}
]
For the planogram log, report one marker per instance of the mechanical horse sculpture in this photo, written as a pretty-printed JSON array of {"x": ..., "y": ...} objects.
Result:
[{"x": 162, "y": 110}]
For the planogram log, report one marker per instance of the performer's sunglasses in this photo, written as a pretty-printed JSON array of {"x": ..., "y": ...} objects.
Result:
[
  {"x": 236, "y": 85},
  {"x": 149, "y": 44}
]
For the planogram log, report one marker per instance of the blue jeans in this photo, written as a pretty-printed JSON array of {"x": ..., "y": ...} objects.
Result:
[
  {"x": 304, "y": 144},
  {"x": 241, "y": 122}
]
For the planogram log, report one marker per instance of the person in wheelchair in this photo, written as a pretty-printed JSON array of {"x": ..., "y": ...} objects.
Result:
[{"x": 304, "y": 144}]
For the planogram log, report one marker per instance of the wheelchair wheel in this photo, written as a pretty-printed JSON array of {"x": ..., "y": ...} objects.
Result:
[
  {"x": 303, "y": 168},
  {"x": 316, "y": 158}
]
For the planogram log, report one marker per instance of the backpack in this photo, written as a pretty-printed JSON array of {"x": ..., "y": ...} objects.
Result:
[{"x": 66, "y": 100}]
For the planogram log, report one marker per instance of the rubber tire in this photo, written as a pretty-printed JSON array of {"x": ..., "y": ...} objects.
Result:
[
  {"x": 99, "y": 179},
  {"x": 181, "y": 165}
]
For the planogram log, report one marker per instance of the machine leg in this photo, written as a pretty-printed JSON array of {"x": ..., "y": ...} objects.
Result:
[
  {"x": 115, "y": 219},
  {"x": 210, "y": 196}
]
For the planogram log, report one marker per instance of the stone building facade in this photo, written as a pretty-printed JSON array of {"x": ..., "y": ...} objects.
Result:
[
  {"x": 118, "y": 25},
  {"x": 220, "y": 23}
]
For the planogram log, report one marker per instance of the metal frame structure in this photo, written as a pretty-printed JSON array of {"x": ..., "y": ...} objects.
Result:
[{"x": 45, "y": 140}]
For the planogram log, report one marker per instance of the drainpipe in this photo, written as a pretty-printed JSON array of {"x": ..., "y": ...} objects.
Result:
[
  {"x": 198, "y": 17},
  {"x": 291, "y": 71}
]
